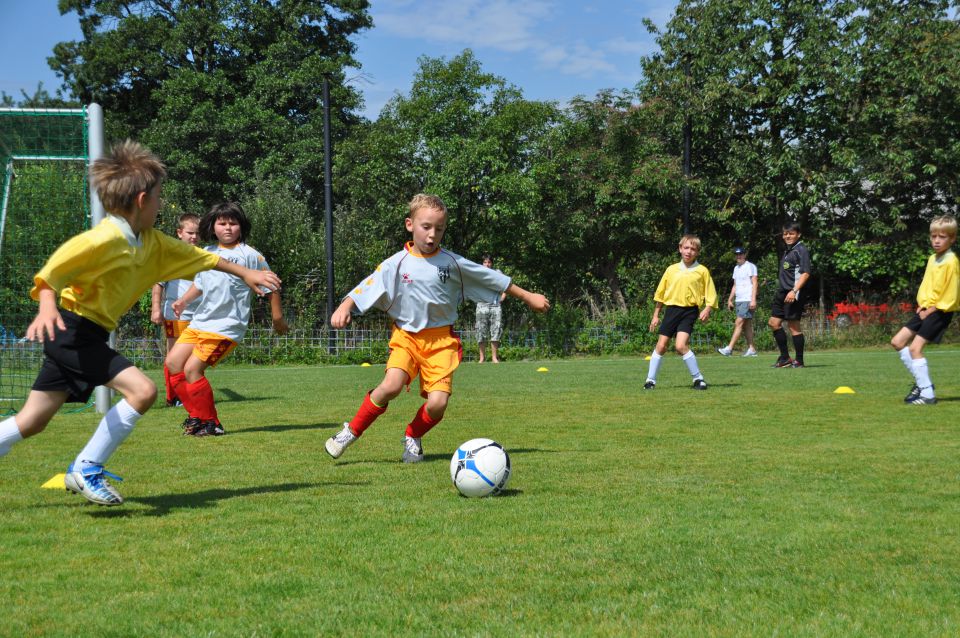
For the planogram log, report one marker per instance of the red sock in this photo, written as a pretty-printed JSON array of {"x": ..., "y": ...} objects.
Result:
[
  {"x": 422, "y": 423},
  {"x": 168, "y": 384},
  {"x": 366, "y": 415},
  {"x": 179, "y": 384},
  {"x": 201, "y": 398}
]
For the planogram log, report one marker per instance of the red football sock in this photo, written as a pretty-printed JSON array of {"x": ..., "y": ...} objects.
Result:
[
  {"x": 168, "y": 384},
  {"x": 201, "y": 397},
  {"x": 422, "y": 423},
  {"x": 366, "y": 415},
  {"x": 179, "y": 384}
]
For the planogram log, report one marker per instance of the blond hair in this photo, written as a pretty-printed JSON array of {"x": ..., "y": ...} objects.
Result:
[
  {"x": 129, "y": 169},
  {"x": 187, "y": 217},
  {"x": 424, "y": 200},
  {"x": 693, "y": 239},
  {"x": 946, "y": 224}
]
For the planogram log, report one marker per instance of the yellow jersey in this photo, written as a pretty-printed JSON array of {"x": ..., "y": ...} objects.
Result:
[
  {"x": 939, "y": 288},
  {"x": 100, "y": 274},
  {"x": 686, "y": 287}
]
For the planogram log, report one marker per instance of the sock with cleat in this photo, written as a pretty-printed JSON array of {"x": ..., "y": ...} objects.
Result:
[
  {"x": 798, "y": 343},
  {"x": 9, "y": 434},
  {"x": 115, "y": 426},
  {"x": 655, "y": 360},
  {"x": 922, "y": 375},
  {"x": 780, "y": 336},
  {"x": 366, "y": 415},
  {"x": 690, "y": 360},
  {"x": 422, "y": 423}
]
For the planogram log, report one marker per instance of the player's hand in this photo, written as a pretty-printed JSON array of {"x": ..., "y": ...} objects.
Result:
[
  {"x": 753, "y": 305},
  {"x": 178, "y": 306},
  {"x": 654, "y": 322},
  {"x": 280, "y": 326},
  {"x": 705, "y": 314},
  {"x": 156, "y": 317},
  {"x": 537, "y": 302},
  {"x": 44, "y": 326},
  {"x": 263, "y": 282},
  {"x": 729, "y": 304},
  {"x": 790, "y": 297},
  {"x": 341, "y": 318}
]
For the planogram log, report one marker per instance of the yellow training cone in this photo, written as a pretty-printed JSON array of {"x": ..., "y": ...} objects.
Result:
[
  {"x": 364, "y": 365},
  {"x": 542, "y": 370},
  {"x": 646, "y": 358},
  {"x": 56, "y": 483},
  {"x": 844, "y": 390}
]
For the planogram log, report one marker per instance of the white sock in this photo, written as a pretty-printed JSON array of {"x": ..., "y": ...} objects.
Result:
[
  {"x": 922, "y": 374},
  {"x": 116, "y": 425},
  {"x": 654, "y": 366},
  {"x": 9, "y": 434},
  {"x": 691, "y": 360},
  {"x": 904, "y": 353}
]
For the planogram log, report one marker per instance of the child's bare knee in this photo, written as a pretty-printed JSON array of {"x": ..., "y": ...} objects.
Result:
[
  {"x": 437, "y": 404},
  {"x": 142, "y": 395}
]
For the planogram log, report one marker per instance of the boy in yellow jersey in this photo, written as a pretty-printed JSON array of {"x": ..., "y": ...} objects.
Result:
[
  {"x": 684, "y": 288},
  {"x": 167, "y": 292},
  {"x": 937, "y": 299},
  {"x": 99, "y": 275},
  {"x": 421, "y": 288}
]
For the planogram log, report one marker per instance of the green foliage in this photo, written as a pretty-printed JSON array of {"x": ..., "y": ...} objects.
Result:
[{"x": 223, "y": 90}]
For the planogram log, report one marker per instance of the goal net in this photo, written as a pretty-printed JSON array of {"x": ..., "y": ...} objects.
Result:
[{"x": 45, "y": 200}]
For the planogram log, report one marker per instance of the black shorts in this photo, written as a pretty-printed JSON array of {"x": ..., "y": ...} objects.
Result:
[
  {"x": 931, "y": 328},
  {"x": 678, "y": 319},
  {"x": 787, "y": 311},
  {"x": 78, "y": 359}
]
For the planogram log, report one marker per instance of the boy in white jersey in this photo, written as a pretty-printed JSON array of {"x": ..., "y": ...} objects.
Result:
[
  {"x": 99, "y": 275},
  {"x": 421, "y": 288},
  {"x": 165, "y": 293},
  {"x": 220, "y": 319},
  {"x": 743, "y": 300},
  {"x": 683, "y": 289},
  {"x": 937, "y": 299}
]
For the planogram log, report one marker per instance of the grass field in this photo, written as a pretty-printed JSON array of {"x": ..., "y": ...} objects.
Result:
[{"x": 767, "y": 505}]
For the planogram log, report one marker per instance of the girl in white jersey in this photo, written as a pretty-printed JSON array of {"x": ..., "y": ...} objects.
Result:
[{"x": 219, "y": 321}]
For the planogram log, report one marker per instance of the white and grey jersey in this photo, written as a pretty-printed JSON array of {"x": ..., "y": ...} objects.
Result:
[
  {"x": 173, "y": 290},
  {"x": 425, "y": 291},
  {"x": 225, "y": 304},
  {"x": 795, "y": 262}
]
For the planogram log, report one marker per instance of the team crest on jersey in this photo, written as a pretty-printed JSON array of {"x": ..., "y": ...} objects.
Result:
[
  {"x": 405, "y": 278},
  {"x": 444, "y": 273}
]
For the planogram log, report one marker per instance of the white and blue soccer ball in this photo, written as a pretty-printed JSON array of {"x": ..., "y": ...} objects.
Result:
[{"x": 480, "y": 467}]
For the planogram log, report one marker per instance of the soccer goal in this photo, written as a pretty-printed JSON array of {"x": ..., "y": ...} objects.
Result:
[{"x": 45, "y": 200}]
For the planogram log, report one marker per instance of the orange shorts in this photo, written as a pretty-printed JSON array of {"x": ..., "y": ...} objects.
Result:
[
  {"x": 432, "y": 353},
  {"x": 208, "y": 346},
  {"x": 174, "y": 328}
]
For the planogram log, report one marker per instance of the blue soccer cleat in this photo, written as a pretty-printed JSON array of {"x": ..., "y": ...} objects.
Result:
[{"x": 90, "y": 482}]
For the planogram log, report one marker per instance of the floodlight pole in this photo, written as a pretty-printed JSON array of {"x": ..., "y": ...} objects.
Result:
[
  {"x": 328, "y": 208},
  {"x": 104, "y": 395}
]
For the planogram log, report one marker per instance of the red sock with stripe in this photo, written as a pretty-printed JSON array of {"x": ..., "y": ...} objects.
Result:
[
  {"x": 422, "y": 423},
  {"x": 366, "y": 415},
  {"x": 201, "y": 398},
  {"x": 179, "y": 384}
]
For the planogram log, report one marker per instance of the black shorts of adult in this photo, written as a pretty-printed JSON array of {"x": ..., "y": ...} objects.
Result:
[
  {"x": 931, "y": 328},
  {"x": 678, "y": 319},
  {"x": 787, "y": 311},
  {"x": 78, "y": 359}
]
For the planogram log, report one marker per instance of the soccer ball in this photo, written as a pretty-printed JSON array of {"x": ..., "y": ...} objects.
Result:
[{"x": 480, "y": 467}]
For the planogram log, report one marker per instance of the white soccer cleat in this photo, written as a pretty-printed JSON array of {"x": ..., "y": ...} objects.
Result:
[
  {"x": 91, "y": 483},
  {"x": 340, "y": 441},
  {"x": 725, "y": 351},
  {"x": 412, "y": 450}
]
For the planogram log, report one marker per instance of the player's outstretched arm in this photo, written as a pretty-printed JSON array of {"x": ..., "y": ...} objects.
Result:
[
  {"x": 262, "y": 281},
  {"x": 48, "y": 318},
  {"x": 342, "y": 315},
  {"x": 534, "y": 300}
]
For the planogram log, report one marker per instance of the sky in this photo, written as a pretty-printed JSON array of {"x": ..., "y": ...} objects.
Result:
[{"x": 550, "y": 49}]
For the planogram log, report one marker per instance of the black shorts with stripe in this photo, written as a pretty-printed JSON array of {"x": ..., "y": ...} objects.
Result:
[
  {"x": 931, "y": 328},
  {"x": 78, "y": 359},
  {"x": 787, "y": 311}
]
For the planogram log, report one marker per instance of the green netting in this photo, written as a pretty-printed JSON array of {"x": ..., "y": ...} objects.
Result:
[{"x": 45, "y": 200}]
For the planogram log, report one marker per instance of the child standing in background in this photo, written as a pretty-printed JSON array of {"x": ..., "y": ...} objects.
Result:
[{"x": 165, "y": 293}]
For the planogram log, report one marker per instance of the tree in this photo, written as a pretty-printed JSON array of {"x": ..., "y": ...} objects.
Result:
[
  {"x": 460, "y": 133},
  {"x": 221, "y": 89}
]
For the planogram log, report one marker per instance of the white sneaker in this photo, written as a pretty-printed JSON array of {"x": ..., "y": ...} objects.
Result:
[
  {"x": 90, "y": 482},
  {"x": 725, "y": 351},
  {"x": 340, "y": 441},
  {"x": 750, "y": 353},
  {"x": 412, "y": 450}
]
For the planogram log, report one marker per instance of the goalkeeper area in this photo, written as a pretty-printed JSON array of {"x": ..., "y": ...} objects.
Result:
[{"x": 45, "y": 200}]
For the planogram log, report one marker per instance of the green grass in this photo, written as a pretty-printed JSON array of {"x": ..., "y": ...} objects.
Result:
[{"x": 767, "y": 505}]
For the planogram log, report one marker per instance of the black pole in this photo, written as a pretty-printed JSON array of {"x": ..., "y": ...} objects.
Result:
[
  {"x": 328, "y": 206},
  {"x": 687, "y": 134}
]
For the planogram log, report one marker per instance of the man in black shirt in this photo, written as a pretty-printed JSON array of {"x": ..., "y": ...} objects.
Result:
[{"x": 789, "y": 300}]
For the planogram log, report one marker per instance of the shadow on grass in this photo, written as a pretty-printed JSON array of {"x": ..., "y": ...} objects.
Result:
[
  {"x": 236, "y": 397},
  {"x": 166, "y": 503},
  {"x": 287, "y": 427}
]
